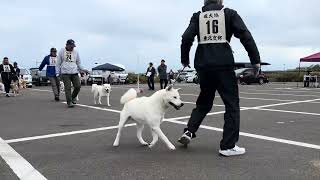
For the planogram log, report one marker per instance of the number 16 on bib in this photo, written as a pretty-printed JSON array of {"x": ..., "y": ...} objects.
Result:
[{"x": 212, "y": 27}]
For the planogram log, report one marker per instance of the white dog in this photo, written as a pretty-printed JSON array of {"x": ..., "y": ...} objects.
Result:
[
  {"x": 150, "y": 111},
  {"x": 2, "y": 88},
  {"x": 101, "y": 91}
]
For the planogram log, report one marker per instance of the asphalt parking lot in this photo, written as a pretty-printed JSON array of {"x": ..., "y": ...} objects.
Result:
[{"x": 42, "y": 139}]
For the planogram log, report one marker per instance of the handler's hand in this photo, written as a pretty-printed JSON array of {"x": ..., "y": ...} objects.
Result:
[{"x": 256, "y": 69}]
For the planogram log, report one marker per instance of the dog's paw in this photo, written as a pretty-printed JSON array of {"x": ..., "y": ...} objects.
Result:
[
  {"x": 151, "y": 145},
  {"x": 109, "y": 105},
  {"x": 115, "y": 144},
  {"x": 145, "y": 144},
  {"x": 172, "y": 147}
]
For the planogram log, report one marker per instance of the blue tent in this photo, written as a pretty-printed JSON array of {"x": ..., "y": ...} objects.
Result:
[{"x": 108, "y": 67}]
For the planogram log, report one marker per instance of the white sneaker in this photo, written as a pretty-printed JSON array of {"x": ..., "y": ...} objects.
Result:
[{"x": 236, "y": 151}]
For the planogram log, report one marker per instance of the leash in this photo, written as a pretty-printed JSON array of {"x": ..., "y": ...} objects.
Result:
[{"x": 176, "y": 79}]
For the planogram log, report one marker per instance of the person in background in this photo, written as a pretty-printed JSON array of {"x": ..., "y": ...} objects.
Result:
[
  {"x": 151, "y": 71},
  {"x": 306, "y": 79},
  {"x": 171, "y": 76},
  {"x": 162, "y": 70},
  {"x": 7, "y": 73},
  {"x": 16, "y": 69},
  {"x": 68, "y": 67},
  {"x": 50, "y": 61}
]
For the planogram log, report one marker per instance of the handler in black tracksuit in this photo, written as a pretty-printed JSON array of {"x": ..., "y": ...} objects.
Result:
[
  {"x": 214, "y": 63},
  {"x": 7, "y": 72}
]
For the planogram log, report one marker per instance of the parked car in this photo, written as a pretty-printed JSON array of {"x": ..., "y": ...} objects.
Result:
[
  {"x": 246, "y": 76},
  {"x": 25, "y": 75},
  {"x": 192, "y": 77},
  {"x": 120, "y": 77},
  {"x": 96, "y": 77},
  {"x": 39, "y": 78},
  {"x": 102, "y": 77},
  {"x": 182, "y": 77}
]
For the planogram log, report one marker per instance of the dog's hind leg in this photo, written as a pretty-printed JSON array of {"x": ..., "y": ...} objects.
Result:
[
  {"x": 163, "y": 138},
  {"x": 155, "y": 138},
  {"x": 95, "y": 98},
  {"x": 108, "y": 100},
  {"x": 139, "y": 134},
  {"x": 123, "y": 119}
]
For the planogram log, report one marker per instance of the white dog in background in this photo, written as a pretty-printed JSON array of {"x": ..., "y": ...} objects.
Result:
[
  {"x": 62, "y": 89},
  {"x": 101, "y": 91},
  {"x": 2, "y": 90},
  {"x": 150, "y": 111}
]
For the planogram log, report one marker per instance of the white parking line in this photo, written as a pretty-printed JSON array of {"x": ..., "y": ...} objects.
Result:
[
  {"x": 285, "y": 111},
  {"x": 21, "y": 167},
  {"x": 175, "y": 120},
  {"x": 64, "y": 134},
  {"x": 286, "y": 90},
  {"x": 266, "y": 138},
  {"x": 295, "y": 95},
  {"x": 248, "y": 98},
  {"x": 217, "y": 105}
]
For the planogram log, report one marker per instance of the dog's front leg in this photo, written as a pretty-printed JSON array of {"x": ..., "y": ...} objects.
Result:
[
  {"x": 164, "y": 138},
  {"x": 108, "y": 100},
  {"x": 155, "y": 138},
  {"x": 100, "y": 99}
]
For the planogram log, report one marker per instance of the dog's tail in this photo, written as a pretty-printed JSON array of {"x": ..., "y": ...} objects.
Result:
[
  {"x": 128, "y": 96},
  {"x": 93, "y": 87}
]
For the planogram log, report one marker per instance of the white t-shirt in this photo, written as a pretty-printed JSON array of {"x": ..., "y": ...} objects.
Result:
[
  {"x": 212, "y": 26},
  {"x": 53, "y": 61},
  {"x": 69, "y": 56},
  {"x": 6, "y": 68}
]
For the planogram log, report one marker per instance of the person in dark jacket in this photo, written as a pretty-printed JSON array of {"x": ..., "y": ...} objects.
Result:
[
  {"x": 162, "y": 70},
  {"x": 7, "y": 73},
  {"x": 151, "y": 71},
  {"x": 171, "y": 76},
  {"x": 214, "y": 26},
  {"x": 50, "y": 61},
  {"x": 16, "y": 69}
]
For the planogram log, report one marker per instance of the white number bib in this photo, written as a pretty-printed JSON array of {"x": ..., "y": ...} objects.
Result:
[
  {"x": 6, "y": 68},
  {"x": 212, "y": 25},
  {"x": 69, "y": 57},
  {"x": 53, "y": 61}
]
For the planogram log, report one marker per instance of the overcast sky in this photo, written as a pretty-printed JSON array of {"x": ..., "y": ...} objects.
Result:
[{"x": 123, "y": 31}]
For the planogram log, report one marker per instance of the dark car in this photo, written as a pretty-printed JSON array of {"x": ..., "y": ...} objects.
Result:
[
  {"x": 246, "y": 76},
  {"x": 39, "y": 78}
]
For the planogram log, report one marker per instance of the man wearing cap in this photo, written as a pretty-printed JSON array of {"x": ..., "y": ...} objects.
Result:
[
  {"x": 214, "y": 26},
  {"x": 68, "y": 67},
  {"x": 50, "y": 61}
]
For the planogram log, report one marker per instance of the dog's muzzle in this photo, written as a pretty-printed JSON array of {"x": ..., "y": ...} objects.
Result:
[
  {"x": 107, "y": 90},
  {"x": 175, "y": 106}
]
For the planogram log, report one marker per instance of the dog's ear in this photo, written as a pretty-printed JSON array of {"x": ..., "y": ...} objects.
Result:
[{"x": 169, "y": 88}]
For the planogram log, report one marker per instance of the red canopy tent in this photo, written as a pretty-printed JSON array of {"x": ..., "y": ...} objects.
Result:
[{"x": 312, "y": 58}]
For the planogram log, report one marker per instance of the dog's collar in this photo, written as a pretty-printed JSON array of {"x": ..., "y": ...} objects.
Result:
[{"x": 175, "y": 106}]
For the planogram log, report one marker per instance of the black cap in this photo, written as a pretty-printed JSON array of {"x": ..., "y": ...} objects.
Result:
[
  {"x": 53, "y": 50},
  {"x": 15, "y": 63},
  {"x": 71, "y": 42}
]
